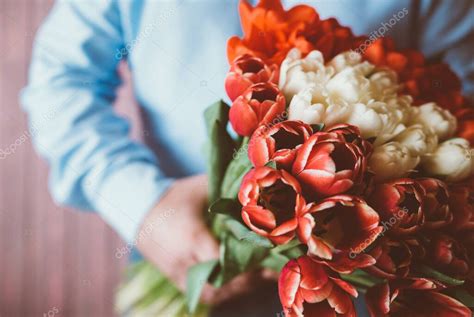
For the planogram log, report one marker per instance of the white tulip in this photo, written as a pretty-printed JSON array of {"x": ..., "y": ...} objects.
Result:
[
  {"x": 418, "y": 139},
  {"x": 376, "y": 120},
  {"x": 349, "y": 90},
  {"x": 453, "y": 160},
  {"x": 297, "y": 73},
  {"x": 349, "y": 86},
  {"x": 384, "y": 84},
  {"x": 374, "y": 123},
  {"x": 391, "y": 160},
  {"x": 350, "y": 59},
  {"x": 310, "y": 106},
  {"x": 402, "y": 103},
  {"x": 305, "y": 107},
  {"x": 432, "y": 116}
]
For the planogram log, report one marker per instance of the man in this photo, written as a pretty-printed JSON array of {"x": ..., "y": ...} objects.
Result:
[{"x": 176, "y": 51}]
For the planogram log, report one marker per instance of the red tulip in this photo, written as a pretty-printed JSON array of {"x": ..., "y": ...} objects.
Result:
[
  {"x": 258, "y": 105},
  {"x": 412, "y": 298},
  {"x": 278, "y": 143},
  {"x": 448, "y": 256},
  {"x": 399, "y": 204},
  {"x": 435, "y": 203},
  {"x": 272, "y": 203},
  {"x": 247, "y": 70},
  {"x": 308, "y": 288},
  {"x": 393, "y": 258},
  {"x": 340, "y": 225},
  {"x": 461, "y": 203},
  {"x": 327, "y": 164},
  {"x": 351, "y": 134}
]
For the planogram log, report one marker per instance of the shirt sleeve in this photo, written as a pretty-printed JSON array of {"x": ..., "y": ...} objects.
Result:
[
  {"x": 446, "y": 31},
  {"x": 94, "y": 165}
]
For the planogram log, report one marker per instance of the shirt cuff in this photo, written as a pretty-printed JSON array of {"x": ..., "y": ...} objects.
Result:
[{"x": 128, "y": 194}]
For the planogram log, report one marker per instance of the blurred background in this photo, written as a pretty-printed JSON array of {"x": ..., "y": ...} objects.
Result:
[{"x": 53, "y": 260}]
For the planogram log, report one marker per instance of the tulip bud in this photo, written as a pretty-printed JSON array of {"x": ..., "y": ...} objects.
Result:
[
  {"x": 418, "y": 139},
  {"x": 434, "y": 117},
  {"x": 277, "y": 143},
  {"x": 384, "y": 82},
  {"x": 448, "y": 256},
  {"x": 297, "y": 73},
  {"x": 400, "y": 205},
  {"x": 344, "y": 60},
  {"x": 309, "y": 288},
  {"x": 392, "y": 160},
  {"x": 342, "y": 224},
  {"x": 453, "y": 160},
  {"x": 327, "y": 164},
  {"x": 435, "y": 203},
  {"x": 393, "y": 258},
  {"x": 461, "y": 204},
  {"x": 258, "y": 105},
  {"x": 375, "y": 121},
  {"x": 245, "y": 71},
  {"x": 272, "y": 203},
  {"x": 309, "y": 106},
  {"x": 350, "y": 85}
]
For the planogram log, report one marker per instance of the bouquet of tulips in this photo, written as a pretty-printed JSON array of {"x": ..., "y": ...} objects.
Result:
[{"x": 350, "y": 171}]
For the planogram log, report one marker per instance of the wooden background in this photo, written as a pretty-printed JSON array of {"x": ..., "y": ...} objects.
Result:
[{"x": 52, "y": 259}]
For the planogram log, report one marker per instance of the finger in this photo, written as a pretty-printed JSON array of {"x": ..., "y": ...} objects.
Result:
[
  {"x": 207, "y": 247},
  {"x": 240, "y": 285}
]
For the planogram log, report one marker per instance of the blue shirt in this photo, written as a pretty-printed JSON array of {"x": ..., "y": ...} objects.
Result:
[{"x": 176, "y": 51}]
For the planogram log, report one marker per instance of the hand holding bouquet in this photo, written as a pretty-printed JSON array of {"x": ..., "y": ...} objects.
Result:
[{"x": 350, "y": 173}]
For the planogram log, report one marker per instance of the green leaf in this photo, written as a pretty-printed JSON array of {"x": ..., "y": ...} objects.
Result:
[
  {"x": 461, "y": 295},
  {"x": 236, "y": 171},
  {"x": 226, "y": 206},
  {"x": 294, "y": 252},
  {"x": 275, "y": 261},
  {"x": 241, "y": 232},
  {"x": 220, "y": 146},
  {"x": 238, "y": 256},
  {"x": 445, "y": 279},
  {"x": 271, "y": 164},
  {"x": 283, "y": 247},
  {"x": 361, "y": 278},
  {"x": 218, "y": 111},
  {"x": 196, "y": 279}
]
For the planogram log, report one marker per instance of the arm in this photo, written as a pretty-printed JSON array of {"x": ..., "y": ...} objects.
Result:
[
  {"x": 94, "y": 164},
  {"x": 72, "y": 83}
]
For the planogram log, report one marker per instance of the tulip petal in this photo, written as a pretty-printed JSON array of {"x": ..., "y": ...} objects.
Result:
[
  {"x": 341, "y": 302},
  {"x": 258, "y": 217},
  {"x": 348, "y": 288},
  {"x": 316, "y": 296},
  {"x": 317, "y": 247},
  {"x": 343, "y": 263},
  {"x": 314, "y": 276},
  {"x": 305, "y": 227},
  {"x": 378, "y": 300},
  {"x": 288, "y": 283},
  {"x": 242, "y": 117}
]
